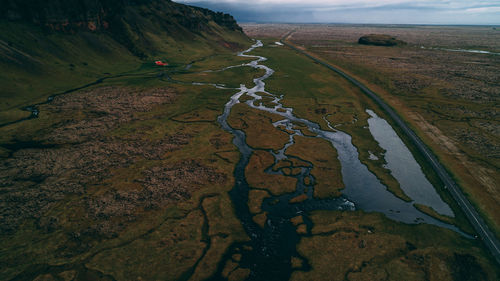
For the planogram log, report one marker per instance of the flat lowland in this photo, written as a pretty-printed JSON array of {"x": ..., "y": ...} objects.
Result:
[
  {"x": 130, "y": 179},
  {"x": 445, "y": 83}
]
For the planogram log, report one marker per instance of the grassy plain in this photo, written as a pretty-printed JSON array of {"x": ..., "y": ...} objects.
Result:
[
  {"x": 326, "y": 166},
  {"x": 245, "y": 74},
  {"x": 257, "y": 124}
]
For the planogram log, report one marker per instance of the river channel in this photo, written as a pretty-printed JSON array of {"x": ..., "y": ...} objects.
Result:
[{"x": 268, "y": 254}]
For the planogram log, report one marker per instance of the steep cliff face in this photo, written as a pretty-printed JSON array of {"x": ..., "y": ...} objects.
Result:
[{"x": 94, "y": 15}]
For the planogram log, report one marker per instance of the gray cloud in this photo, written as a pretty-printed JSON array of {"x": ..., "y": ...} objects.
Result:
[{"x": 358, "y": 11}]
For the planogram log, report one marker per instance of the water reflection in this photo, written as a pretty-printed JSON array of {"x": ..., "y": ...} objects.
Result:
[{"x": 404, "y": 167}]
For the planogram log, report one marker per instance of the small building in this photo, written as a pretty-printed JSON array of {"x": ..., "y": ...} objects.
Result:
[{"x": 160, "y": 63}]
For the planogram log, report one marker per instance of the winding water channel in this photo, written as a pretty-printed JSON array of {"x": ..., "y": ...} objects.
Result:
[{"x": 268, "y": 254}]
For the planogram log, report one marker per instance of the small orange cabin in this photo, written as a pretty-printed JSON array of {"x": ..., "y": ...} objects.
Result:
[{"x": 160, "y": 63}]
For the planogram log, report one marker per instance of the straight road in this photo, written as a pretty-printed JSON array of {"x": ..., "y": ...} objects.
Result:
[{"x": 475, "y": 219}]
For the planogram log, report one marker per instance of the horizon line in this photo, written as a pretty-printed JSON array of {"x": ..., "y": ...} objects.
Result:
[{"x": 350, "y": 23}]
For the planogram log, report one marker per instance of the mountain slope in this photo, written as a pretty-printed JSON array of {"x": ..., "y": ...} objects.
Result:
[{"x": 51, "y": 46}]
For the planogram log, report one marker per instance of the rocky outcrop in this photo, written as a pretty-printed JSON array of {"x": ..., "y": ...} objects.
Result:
[
  {"x": 380, "y": 40},
  {"x": 93, "y": 15},
  {"x": 67, "y": 15},
  {"x": 126, "y": 21}
]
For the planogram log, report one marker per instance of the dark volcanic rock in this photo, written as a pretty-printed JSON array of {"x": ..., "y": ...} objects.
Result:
[
  {"x": 380, "y": 40},
  {"x": 126, "y": 21},
  {"x": 71, "y": 15}
]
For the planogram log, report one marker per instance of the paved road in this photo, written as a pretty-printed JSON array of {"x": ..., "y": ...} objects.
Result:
[{"x": 475, "y": 219}]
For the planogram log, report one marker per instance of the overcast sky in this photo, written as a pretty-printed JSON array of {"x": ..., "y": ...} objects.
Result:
[{"x": 358, "y": 11}]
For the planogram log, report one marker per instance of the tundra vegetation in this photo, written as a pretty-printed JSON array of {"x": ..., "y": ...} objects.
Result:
[{"x": 128, "y": 178}]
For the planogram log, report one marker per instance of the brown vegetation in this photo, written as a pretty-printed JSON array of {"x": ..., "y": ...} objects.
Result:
[
  {"x": 380, "y": 40},
  {"x": 370, "y": 247},
  {"x": 255, "y": 199},
  {"x": 257, "y": 124},
  {"x": 326, "y": 166},
  {"x": 257, "y": 178},
  {"x": 78, "y": 152}
]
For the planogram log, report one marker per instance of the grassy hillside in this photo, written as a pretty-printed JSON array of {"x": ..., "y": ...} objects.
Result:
[{"x": 48, "y": 47}]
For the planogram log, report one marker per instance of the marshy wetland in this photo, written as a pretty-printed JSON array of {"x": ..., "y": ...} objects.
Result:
[{"x": 258, "y": 165}]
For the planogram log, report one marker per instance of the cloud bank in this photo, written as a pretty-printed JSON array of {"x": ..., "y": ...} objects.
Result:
[{"x": 358, "y": 11}]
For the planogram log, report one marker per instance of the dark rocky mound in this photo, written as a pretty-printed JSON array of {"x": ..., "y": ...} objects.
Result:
[
  {"x": 71, "y": 15},
  {"x": 380, "y": 40}
]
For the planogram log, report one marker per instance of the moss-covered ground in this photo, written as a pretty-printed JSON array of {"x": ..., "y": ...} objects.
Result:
[{"x": 177, "y": 240}]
